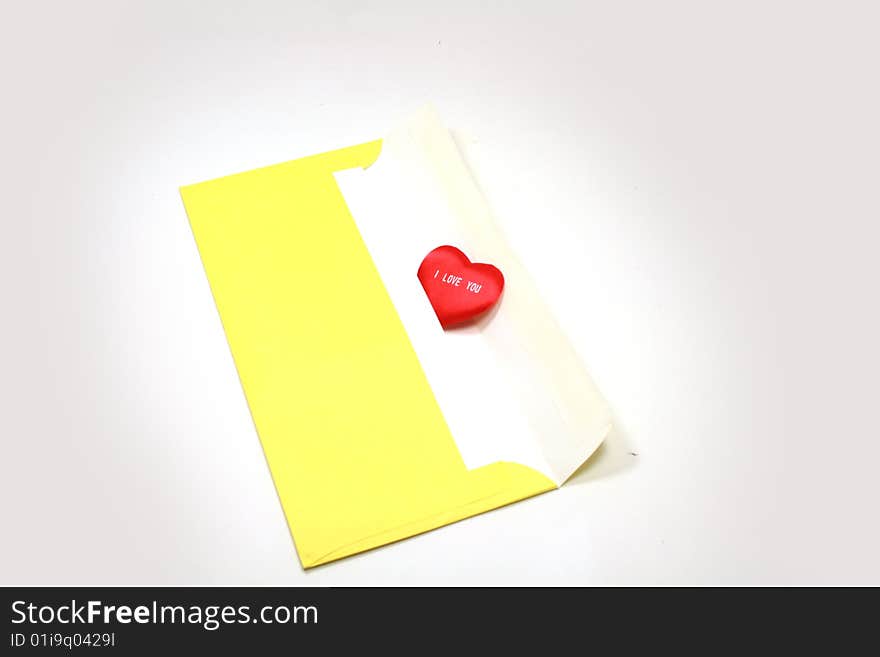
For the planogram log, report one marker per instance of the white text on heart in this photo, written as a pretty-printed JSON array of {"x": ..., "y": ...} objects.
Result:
[{"x": 455, "y": 281}]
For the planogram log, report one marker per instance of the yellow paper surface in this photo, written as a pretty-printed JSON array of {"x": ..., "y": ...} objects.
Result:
[{"x": 358, "y": 448}]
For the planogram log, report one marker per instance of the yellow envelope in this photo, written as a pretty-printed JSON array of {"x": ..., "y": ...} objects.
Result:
[{"x": 376, "y": 424}]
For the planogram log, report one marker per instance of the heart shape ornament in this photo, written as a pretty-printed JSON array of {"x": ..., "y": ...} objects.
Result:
[{"x": 459, "y": 290}]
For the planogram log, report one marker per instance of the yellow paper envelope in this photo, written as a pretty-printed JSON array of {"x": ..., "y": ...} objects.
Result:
[{"x": 376, "y": 424}]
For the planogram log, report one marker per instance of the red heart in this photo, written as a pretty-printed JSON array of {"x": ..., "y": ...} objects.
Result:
[{"x": 457, "y": 288}]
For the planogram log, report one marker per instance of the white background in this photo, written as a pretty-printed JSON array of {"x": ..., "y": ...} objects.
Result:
[{"x": 704, "y": 186}]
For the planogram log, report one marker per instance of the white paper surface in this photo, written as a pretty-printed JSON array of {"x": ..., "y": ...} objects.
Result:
[{"x": 511, "y": 387}]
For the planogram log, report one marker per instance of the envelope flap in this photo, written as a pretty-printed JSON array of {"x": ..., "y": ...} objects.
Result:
[{"x": 510, "y": 387}]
